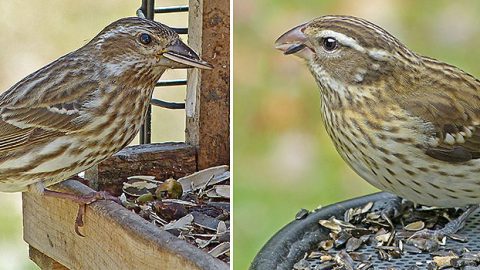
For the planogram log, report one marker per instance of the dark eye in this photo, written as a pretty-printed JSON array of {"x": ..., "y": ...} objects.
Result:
[
  {"x": 329, "y": 44},
  {"x": 145, "y": 38}
]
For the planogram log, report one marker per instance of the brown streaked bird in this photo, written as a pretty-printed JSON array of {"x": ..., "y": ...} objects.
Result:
[
  {"x": 406, "y": 123},
  {"x": 85, "y": 106}
]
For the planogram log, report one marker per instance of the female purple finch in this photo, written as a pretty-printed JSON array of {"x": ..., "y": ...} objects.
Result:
[{"x": 85, "y": 106}]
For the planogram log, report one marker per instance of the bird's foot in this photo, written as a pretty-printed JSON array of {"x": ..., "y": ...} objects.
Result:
[
  {"x": 430, "y": 240},
  {"x": 388, "y": 209},
  {"x": 83, "y": 201},
  {"x": 392, "y": 208}
]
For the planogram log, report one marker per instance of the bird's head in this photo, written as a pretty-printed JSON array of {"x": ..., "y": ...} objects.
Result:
[
  {"x": 131, "y": 43},
  {"x": 345, "y": 49}
]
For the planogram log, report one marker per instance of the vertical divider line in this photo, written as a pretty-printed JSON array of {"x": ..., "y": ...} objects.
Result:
[{"x": 146, "y": 128}]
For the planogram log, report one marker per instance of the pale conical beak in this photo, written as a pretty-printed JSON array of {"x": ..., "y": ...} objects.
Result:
[
  {"x": 295, "y": 42},
  {"x": 181, "y": 56}
]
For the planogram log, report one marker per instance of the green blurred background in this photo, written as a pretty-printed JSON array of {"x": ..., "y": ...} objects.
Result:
[
  {"x": 34, "y": 33},
  {"x": 283, "y": 159}
]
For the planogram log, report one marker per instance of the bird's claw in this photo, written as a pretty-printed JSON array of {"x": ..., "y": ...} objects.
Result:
[
  {"x": 388, "y": 209},
  {"x": 97, "y": 196},
  {"x": 87, "y": 199},
  {"x": 392, "y": 209},
  {"x": 430, "y": 240},
  {"x": 79, "y": 220}
]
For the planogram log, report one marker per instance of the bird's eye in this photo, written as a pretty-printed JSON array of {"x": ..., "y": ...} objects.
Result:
[
  {"x": 145, "y": 38},
  {"x": 329, "y": 44}
]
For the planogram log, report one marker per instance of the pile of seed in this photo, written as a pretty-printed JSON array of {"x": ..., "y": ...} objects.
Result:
[
  {"x": 365, "y": 238},
  {"x": 195, "y": 208}
]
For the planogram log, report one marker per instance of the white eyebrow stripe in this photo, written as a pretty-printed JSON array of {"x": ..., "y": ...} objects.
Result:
[{"x": 343, "y": 39}]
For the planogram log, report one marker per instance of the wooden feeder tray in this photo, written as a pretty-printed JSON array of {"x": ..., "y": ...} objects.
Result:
[{"x": 115, "y": 238}]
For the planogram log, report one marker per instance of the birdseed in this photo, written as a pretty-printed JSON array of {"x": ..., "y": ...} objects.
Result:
[
  {"x": 195, "y": 209},
  {"x": 366, "y": 240}
]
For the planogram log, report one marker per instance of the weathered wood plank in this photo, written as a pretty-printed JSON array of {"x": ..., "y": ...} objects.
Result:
[
  {"x": 162, "y": 160},
  {"x": 114, "y": 238},
  {"x": 208, "y": 94},
  {"x": 43, "y": 261}
]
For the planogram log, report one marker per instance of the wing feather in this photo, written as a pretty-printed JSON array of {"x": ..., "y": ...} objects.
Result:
[
  {"x": 17, "y": 139},
  {"x": 46, "y": 104},
  {"x": 448, "y": 99}
]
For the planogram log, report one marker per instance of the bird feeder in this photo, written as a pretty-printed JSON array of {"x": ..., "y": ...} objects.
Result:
[
  {"x": 116, "y": 238},
  {"x": 297, "y": 245}
]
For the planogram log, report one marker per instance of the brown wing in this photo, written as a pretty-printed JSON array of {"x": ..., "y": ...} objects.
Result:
[
  {"x": 63, "y": 81},
  {"x": 48, "y": 118},
  {"x": 456, "y": 144},
  {"x": 456, "y": 131},
  {"x": 456, "y": 134},
  {"x": 449, "y": 100},
  {"x": 13, "y": 138},
  {"x": 46, "y": 104}
]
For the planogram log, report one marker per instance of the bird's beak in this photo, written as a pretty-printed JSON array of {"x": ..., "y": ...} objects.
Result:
[
  {"x": 179, "y": 55},
  {"x": 295, "y": 42}
]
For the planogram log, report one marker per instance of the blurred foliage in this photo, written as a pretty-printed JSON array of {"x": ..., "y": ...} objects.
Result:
[
  {"x": 35, "y": 33},
  {"x": 283, "y": 159}
]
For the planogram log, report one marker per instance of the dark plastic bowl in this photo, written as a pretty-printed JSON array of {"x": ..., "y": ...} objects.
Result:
[{"x": 290, "y": 244}]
